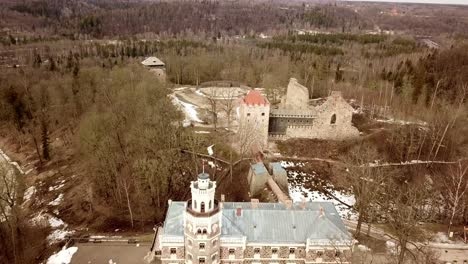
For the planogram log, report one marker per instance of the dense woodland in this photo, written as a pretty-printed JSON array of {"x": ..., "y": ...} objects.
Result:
[{"x": 73, "y": 98}]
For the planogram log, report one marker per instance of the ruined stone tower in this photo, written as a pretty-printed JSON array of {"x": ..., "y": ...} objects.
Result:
[
  {"x": 202, "y": 222},
  {"x": 254, "y": 114}
]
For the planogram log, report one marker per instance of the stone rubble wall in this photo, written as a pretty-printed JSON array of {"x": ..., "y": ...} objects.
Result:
[
  {"x": 297, "y": 96},
  {"x": 322, "y": 127}
]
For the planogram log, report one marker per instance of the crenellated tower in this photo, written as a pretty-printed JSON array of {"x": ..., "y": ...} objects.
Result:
[{"x": 202, "y": 223}]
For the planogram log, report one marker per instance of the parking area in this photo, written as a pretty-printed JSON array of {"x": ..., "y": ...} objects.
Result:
[
  {"x": 453, "y": 255},
  {"x": 110, "y": 252}
]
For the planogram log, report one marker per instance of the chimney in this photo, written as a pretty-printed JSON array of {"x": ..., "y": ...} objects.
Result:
[
  {"x": 303, "y": 203},
  {"x": 169, "y": 201},
  {"x": 288, "y": 204},
  {"x": 221, "y": 204},
  {"x": 223, "y": 197},
  {"x": 322, "y": 212},
  {"x": 238, "y": 211},
  {"x": 254, "y": 203}
]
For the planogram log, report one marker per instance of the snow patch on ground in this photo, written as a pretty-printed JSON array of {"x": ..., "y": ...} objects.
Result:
[
  {"x": 9, "y": 161},
  {"x": 30, "y": 191},
  {"x": 56, "y": 187},
  {"x": 442, "y": 238},
  {"x": 58, "y": 235},
  {"x": 298, "y": 192},
  {"x": 289, "y": 164},
  {"x": 377, "y": 163},
  {"x": 59, "y": 227},
  {"x": 202, "y": 132},
  {"x": 57, "y": 200},
  {"x": 401, "y": 122},
  {"x": 56, "y": 222},
  {"x": 190, "y": 111},
  {"x": 363, "y": 248},
  {"x": 64, "y": 256},
  {"x": 210, "y": 150},
  {"x": 391, "y": 247}
]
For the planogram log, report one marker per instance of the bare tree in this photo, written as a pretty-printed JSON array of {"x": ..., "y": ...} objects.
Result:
[
  {"x": 366, "y": 183},
  {"x": 457, "y": 186},
  {"x": 213, "y": 102}
]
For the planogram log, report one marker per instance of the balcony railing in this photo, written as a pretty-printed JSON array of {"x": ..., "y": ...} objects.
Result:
[{"x": 209, "y": 213}]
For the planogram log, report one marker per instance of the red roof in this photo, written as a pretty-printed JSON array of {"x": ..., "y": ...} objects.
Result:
[{"x": 255, "y": 98}]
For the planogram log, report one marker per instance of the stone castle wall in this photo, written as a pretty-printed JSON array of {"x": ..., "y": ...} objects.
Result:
[
  {"x": 254, "y": 123},
  {"x": 330, "y": 120}
]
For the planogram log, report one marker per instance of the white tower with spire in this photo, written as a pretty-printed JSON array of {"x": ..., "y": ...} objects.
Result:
[{"x": 202, "y": 222}]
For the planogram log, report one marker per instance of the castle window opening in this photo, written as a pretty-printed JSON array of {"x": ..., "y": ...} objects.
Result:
[
  {"x": 173, "y": 251},
  {"x": 201, "y": 260},
  {"x": 333, "y": 119},
  {"x": 263, "y": 114},
  {"x": 201, "y": 246},
  {"x": 209, "y": 205},
  {"x": 248, "y": 114},
  {"x": 231, "y": 251},
  {"x": 204, "y": 231},
  {"x": 202, "y": 207}
]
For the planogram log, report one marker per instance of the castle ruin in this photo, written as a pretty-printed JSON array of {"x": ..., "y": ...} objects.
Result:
[{"x": 297, "y": 116}]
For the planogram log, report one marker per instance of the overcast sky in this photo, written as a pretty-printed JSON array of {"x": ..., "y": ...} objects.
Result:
[{"x": 459, "y": 2}]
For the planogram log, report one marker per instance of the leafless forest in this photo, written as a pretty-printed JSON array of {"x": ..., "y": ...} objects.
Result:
[{"x": 76, "y": 106}]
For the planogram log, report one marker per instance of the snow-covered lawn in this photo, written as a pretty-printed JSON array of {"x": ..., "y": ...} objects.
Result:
[
  {"x": 64, "y": 256},
  {"x": 298, "y": 192}
]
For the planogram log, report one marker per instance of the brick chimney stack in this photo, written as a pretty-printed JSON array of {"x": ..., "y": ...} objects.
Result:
[
  {"x": 303, "y": 203},
  {"x": 254, "y": 203}
]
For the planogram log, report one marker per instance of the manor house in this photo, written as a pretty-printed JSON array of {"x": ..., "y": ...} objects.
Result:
[
  {"x": 296, "y": 116},
  {"x": 204, "y": 230}
]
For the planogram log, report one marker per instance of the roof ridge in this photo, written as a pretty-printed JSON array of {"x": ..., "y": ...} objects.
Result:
[{"x": 233, "y": 224}]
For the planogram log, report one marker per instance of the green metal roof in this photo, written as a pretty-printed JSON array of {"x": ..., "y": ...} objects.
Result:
[{"x": 271, "y": 223}]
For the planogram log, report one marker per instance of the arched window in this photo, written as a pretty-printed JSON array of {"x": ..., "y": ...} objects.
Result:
[
  {"x": 195, "y": 204},
  {"x": 199, "y": 231},
  {"x": 209, "y": 205},
  {"x": 202, "y": 207},
  {"x": 333, "y": 119},
  {"x": 204, "y": 231}
]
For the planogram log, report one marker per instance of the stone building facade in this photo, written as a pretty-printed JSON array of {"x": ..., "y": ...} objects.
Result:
[
  {"x": 254, "y": 113},
  {"x": 297, "y": 117},
  {"x": 249, "y": 232}
]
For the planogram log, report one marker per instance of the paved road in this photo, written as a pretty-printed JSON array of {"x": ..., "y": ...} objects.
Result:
[
  {"x": 452, "y": 255},
  {"x": 446, "y": 254},
  {"x": 102, "y": 253}
]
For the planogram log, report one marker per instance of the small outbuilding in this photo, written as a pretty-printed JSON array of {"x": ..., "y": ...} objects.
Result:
[{"x": 156, "y": 66}]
